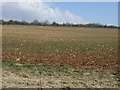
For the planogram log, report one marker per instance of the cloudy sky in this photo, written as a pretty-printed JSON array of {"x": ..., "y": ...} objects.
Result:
[{"x": 74, "y": 12}]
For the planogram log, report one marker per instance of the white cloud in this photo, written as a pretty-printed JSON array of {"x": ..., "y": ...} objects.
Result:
[{"x": 37, "y": 10}]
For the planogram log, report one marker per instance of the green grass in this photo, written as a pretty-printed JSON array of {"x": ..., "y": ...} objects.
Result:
[
  {"x": 33, "y": 67},
  {"x": 50, "y": 70},
  {"x": 39, "y": 68},
  {"x": 79, "y": 71}
]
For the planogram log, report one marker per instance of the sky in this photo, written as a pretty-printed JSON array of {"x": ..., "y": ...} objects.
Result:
[
  {"x": 93, "y": 12},
  {"x": 62, "y": 12}
]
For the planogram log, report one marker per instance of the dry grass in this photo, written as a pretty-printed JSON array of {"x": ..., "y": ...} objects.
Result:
[{"x": 33, "y": 75}]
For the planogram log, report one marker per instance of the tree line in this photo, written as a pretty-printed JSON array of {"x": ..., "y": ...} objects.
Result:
[{"x": 46, "y": 23}]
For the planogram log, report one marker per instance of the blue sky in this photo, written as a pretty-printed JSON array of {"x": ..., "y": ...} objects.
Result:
[
  {"x": 94, "y": 12},
  {"x": 61, "y": 12}
]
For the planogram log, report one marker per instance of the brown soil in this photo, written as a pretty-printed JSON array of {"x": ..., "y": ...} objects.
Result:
[{"x": 95, "y": 60}]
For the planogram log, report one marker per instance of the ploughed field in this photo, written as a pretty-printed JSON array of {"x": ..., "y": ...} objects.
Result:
[{"x": 74, "y": 47}]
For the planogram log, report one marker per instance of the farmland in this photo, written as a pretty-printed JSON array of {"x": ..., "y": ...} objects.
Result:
[{"x": 72, "y": 53}]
